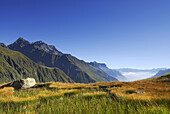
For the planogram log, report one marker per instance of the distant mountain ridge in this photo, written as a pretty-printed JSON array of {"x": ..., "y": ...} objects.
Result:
[
  {"x": 139, "y": 70},
  {"x": 114, "y": 73},
  {"x": 47, "y": 55},
  {"x": 162, "y": 72}
]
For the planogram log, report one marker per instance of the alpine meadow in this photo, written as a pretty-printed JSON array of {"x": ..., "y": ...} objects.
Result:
[{"x": 84, "y": 57}]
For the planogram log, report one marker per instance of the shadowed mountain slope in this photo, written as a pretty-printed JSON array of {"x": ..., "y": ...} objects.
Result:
[
  {"x": 14, "y": 65},
  {"x": 114, "y": 73},
  {"x": 162, "y": 72},
  {"x": 49, "y": 56}
]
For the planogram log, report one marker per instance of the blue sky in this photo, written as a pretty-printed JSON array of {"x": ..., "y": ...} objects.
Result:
[{"x": 120, "y": 33}]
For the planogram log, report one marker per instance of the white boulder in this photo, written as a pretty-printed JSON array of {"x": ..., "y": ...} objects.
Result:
[
  {"x": 23, "y": 83},
  {"x": 28, "y": 82}
]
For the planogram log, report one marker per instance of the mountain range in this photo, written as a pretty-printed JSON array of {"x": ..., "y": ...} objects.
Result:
[
  {"x": 140, "y": 70},
  {"x": 111, "y": 72},
  {"x": 45, "y": 63}
]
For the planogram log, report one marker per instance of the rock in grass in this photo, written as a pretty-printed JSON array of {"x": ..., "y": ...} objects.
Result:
[
  {"x": 131, "y": 92},
  {"x": 23, "y": 83}
]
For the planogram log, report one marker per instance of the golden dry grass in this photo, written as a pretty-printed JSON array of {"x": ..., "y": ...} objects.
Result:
[
  {"x": 68, "y": 91},
  {"x": 59, "y": 85},
  {"x": 18, "y": 99},
  {"x": 155, "y": 89},
  {"x": 7, "y": 91},
  {"x": 54, "y": 94},
  {"x": 94, "y": 94},
  {"x": 58, "y": 95},
  {"x": 48, "y": 94}
]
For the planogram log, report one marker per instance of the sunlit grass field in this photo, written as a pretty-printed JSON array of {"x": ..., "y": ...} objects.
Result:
[{"x": 79, "y": 98}]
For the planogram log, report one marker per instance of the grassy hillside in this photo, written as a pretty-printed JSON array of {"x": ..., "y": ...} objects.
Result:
[
  {"x": 14, "y": 65},
  {"x": 165, "y": 77},
  {"x": 162, "y": 72},
  {"x": 90, "y": 98},
  {"x": 81, "y": 71},
  {"x": 76, "y": 69}
]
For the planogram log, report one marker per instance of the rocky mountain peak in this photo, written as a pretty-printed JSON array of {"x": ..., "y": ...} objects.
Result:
[
  {"x": 3, "y": 45},
  {"x": 47, "y": 48},
  {"x": 20, "y": 38},
  {"x": 20, "y": 42},
  {"x": 40, "y": 45},
  {"x": 39, "y": 42}
]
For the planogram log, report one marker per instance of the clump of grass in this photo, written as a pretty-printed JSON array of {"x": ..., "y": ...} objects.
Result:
[
  {"x": 27, "y": 93},
  {"x": 46, "y": 95},
  {"x": 59, "y": 85},
  {"x": 67, "y": 86},
  {"x": 70, "y": 92},
  {"x": 91, "y": 87},
  {"x": 94, "y": 94},
  {"x": 13, "y": 99},
  {"x": 6, "y": 91}
]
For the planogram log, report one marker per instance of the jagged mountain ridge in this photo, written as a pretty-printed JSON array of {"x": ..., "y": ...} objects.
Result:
[
  {"x": 20, "y": 42},
  {"x": 14, "y": 65},
  {"x": 114, "y": 73},
  {"x": 49, "y": 56}
]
